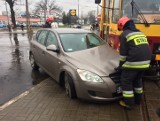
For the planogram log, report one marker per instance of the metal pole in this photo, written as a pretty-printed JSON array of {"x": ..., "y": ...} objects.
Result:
[
  {"x": 78, "y": 11},
  {"x": 27, "y": 18},
  {"x": 97, "y": 11},
  {"x": 45, "y": 11},
  {"x": 7, "y": 12}
]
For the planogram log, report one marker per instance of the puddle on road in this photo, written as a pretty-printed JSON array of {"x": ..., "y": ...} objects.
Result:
[
  {"x": 16, "y": 75},
  {"x": 15, "y": 39}
]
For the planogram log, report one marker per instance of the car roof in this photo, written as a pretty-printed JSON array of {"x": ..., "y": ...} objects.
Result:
[{"x": 67, "y": 30}]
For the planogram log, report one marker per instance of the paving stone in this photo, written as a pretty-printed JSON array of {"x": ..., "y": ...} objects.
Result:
[{"x": 47, "y": 101}]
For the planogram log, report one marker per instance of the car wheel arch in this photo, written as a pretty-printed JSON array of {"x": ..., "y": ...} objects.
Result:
[
  {"x": 62, "y": 75},
  {"x": 62, "y": 81},
  {"x": 68, "y": 70},
  {"x": 35, "y": 66}
]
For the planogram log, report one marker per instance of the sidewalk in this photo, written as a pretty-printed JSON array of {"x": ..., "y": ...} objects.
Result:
[
  {"x": 47, "y": 101},
  {"x": 13, "y": 31},
  {"x": 18, "y": 31}
]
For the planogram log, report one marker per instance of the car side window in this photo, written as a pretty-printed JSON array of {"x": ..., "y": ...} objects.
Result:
[
  {"x": 51, "y": 39},
  {"x": 38, "y": 32},
  {"x": 42, "y": 37}
]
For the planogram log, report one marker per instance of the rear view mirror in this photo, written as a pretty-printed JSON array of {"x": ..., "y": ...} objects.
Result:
[{"x": 97, "y": 1}]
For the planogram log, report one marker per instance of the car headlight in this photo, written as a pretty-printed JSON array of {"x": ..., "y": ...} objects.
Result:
[{"x": 89, "y": 76}]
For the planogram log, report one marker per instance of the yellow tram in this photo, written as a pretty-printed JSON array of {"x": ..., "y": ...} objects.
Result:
[{"x": 145, "y": 14}]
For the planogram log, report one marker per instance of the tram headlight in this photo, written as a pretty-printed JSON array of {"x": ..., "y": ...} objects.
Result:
[{"x": 156, "y": 48}]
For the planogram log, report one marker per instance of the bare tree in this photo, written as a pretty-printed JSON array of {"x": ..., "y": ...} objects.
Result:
[
  {"x": 91, "y": 16},
  {"x": 64, "y": 19},
  {"x": 85, "y": 17},
  {"x": 11, "y": 5},
  {"x": 47, "y": 5}
]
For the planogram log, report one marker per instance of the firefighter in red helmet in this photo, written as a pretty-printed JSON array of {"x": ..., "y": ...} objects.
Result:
[
  {"x": 135, "y": 56},
  {"x": 48, "y": 22}
]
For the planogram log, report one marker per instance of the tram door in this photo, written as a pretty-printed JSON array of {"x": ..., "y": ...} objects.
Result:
[
  {"x": 114, "y": 15},
  {"x": 110, "y": 14}
]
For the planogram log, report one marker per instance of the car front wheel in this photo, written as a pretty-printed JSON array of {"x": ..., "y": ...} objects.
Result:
[
  {"x": 69, "y": 86},
  {"x": 33, "y": 62}
]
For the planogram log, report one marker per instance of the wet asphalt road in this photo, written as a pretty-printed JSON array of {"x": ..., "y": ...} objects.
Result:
[{"x": 16, "y": 75}]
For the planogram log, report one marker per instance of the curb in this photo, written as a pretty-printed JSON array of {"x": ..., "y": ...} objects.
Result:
[{"x": 15, "y": 99}]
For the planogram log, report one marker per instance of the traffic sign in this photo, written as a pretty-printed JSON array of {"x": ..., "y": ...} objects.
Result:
[{"x": 73, "y": 12}]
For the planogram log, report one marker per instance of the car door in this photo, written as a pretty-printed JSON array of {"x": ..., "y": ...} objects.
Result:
[
  {"x": 34, "y": 45},
  {"x": 39, "y": 48},
  {"x": 52, "y": 57}
]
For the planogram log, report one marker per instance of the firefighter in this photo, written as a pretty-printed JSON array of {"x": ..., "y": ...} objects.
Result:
[
  {"x": 22, "y": 26},
  {"x": 135, "y": 56},
  {"x": 48, "y": 23}
]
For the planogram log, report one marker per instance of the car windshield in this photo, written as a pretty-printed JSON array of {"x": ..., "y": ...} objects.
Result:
[
  {"x": 135, "y": 9},
  {"x": 82, "y": 41}
]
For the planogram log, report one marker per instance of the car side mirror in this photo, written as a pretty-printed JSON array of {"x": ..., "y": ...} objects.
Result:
[{"x": 53, "y": 48}]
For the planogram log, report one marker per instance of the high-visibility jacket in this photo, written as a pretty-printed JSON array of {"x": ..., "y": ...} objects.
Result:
[{"x": 134, "y": 50}]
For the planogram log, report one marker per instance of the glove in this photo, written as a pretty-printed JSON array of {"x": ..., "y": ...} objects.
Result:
[{"x": 118, "y": 70}]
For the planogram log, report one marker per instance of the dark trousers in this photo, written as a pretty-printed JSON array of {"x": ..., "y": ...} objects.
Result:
[{"x": 130, "y": 81}]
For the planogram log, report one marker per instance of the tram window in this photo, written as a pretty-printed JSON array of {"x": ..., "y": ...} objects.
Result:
[
  {"x": 127, "y": 9},
  {"x": 116, "y": 14},
  {"x": 150, "y": 10}
]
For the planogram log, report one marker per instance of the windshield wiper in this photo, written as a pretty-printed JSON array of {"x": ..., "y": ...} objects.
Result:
[{"x": 140, "y": 13}]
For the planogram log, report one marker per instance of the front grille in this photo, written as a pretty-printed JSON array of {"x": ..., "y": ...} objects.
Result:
[
  {"x": 93, "y": 93},
  {"x": 116, "y": 94}
]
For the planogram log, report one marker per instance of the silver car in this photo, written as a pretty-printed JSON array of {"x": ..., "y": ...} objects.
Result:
[{"x": 79, "y": 60}]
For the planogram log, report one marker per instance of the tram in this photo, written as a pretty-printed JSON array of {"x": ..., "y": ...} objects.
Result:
[{"x": 146, "y": 16}]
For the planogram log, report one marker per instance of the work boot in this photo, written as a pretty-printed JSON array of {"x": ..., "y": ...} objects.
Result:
[
  {"x": 126, "y": 106},
  {"x": 138, "y": 98}
]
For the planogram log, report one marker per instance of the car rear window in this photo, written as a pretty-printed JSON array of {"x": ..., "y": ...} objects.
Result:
[{"x": 76, "y": 41}]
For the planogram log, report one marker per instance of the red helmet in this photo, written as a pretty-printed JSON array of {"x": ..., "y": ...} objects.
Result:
[
  {"x": 122, "y": 21},
  {"x": 50, "y": 19}
]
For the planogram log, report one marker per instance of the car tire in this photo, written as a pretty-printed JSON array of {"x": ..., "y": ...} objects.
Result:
[
  {"x": 69, "y": 86},
  {"x": 33, "y": 62}
]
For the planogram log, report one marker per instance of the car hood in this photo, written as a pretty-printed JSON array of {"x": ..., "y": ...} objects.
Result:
[{"x": 100, "y": 60}]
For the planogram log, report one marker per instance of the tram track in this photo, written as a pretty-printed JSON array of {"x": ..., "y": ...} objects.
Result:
[
  {"x": 126, "y": 115},
  {"x": 157, "y": 83},
  {"x": 146, "y": 112},
  {"x": 144, "y": 108}
]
